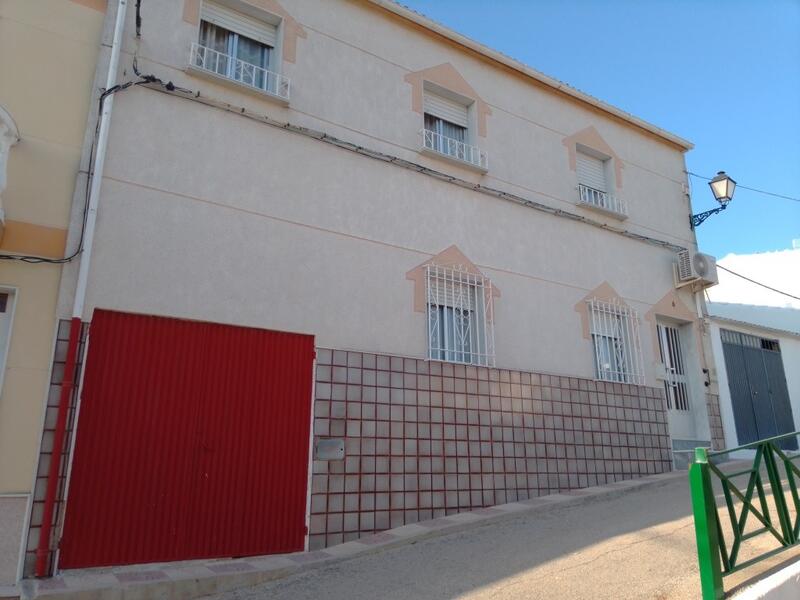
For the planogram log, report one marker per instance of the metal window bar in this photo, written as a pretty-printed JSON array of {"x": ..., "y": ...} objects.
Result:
[
  {"x": 676, "y": 384},
  {"x": 601, "y": 199},
  {"x": 240, "y": 71},
  {"x": 460, "y": 316},
  {"x": 615, "y": 337},
  {"x": 454, "y": 148}
]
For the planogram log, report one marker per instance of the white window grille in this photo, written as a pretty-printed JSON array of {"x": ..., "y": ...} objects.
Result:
[
  {"x": 240, "y": 48},
  {"x": 676, "y": 385},
  {"x": 460, "y": 316},
  {"x": 602, "y": 200},
  {"x": 454, "y": 148},
  {"x": 615, "y": 337}
]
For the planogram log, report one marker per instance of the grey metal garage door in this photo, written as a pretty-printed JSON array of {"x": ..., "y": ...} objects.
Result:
[{"x": 758, "y": 389}]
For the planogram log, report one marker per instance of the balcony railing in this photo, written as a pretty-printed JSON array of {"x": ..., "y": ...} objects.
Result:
[
  {"x": 247, "y": 74},
  {"x": 455, "y": 149},
  {"x": 602, "y": 200}
]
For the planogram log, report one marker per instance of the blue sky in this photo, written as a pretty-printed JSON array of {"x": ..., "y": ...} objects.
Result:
[{"x": 724, "y": 74}]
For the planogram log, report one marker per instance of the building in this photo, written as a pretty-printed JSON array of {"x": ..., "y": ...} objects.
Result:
[
  {"x": 754, "y": 332},
  {"x": 757, "y": 354},
  {"x": 44, "y": 105},
  {"x": 470, "y": 265}
]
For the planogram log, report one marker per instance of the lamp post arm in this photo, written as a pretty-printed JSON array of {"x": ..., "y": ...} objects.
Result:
[{"x": 697, "y": 219}]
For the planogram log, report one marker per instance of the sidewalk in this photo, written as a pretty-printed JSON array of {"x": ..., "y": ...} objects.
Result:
[{"x": 630, "y": 539}]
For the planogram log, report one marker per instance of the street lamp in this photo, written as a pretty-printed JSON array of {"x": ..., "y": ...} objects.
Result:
[{"x": 722, "y": 187}]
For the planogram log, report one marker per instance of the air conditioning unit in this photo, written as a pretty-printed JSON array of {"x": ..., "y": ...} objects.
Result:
[{"x": 694, "y": 267}]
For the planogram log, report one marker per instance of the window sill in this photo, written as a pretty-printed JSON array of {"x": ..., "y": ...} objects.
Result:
[
  {"x": 604, "y": 211},
  {"x": 237, "y": 85},
  {"x": 454, "y": 160}
]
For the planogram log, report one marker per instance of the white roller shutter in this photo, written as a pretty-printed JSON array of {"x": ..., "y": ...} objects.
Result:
[
  {"x": 233, "y": 20},
  {"x": 450, "y": 291},
  {"x": 446, "y": 109},
  {"x": 591, "y": 171}
]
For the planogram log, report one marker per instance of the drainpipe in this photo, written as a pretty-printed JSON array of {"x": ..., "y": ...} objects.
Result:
[{"x": 67, "y": 386}]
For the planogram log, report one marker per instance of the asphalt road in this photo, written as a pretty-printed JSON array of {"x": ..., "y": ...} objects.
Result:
[{"x": 640, "y": 545}]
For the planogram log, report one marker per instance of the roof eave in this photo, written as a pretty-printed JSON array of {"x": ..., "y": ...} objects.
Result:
[{"x": 516, "y": 65}]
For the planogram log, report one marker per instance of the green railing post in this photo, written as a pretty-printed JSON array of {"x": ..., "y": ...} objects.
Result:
[
  {"x": 705, "y": 526},
  {"x": 777, "y": 495}
]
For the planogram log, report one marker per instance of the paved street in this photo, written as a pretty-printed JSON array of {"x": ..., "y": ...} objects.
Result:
[{"x": 640, "y": 545}]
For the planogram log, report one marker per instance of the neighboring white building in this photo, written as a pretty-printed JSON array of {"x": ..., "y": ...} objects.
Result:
[
  {"x": 757, "y": 357},
  {"x": 483, "y": 255}
]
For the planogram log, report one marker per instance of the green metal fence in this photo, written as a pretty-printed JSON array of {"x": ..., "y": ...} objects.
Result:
[{"x": 719, "y": 555}]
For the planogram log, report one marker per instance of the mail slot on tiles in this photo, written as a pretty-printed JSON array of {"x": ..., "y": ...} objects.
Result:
[{"x": 330, "y": 449}]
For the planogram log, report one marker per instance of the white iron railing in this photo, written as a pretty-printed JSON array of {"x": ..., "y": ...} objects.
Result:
[
  {"x": 615, "y": 335},
  {"x": 602, "y": 200},
  {"x": 460, "y": 316},
  {"x": 240, "y": 71},
  {"x": 453, "y": 148}
]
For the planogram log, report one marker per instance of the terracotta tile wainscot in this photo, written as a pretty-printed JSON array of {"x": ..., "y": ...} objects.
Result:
[{"x": 425, "y": 439}]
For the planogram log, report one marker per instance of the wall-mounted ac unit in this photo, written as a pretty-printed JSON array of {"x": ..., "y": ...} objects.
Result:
[{"x": 694, "y": 267}]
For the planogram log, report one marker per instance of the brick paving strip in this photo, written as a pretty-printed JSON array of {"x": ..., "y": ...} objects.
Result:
[{"x": 194, "y": 579}]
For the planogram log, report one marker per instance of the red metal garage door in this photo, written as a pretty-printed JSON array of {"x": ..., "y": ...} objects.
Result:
[{"x": 192, "y": 442}]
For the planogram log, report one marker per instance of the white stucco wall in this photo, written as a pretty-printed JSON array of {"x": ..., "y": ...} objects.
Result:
[{"x": 208, "y": 215}]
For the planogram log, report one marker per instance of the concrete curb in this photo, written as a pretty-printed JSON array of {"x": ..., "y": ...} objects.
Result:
[
  {"x": 192, "y": 579},
  {"x": 783, "y": 585}
]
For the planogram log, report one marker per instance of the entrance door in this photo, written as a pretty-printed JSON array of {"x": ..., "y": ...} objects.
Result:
[
  {"x": 676, "y": 383},
  {"x": 757, "y": 384},
  {"x": 192, "y": 442}
]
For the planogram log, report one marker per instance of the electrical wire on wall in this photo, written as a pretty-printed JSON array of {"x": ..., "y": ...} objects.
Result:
[{"x": 143, "y": 79}]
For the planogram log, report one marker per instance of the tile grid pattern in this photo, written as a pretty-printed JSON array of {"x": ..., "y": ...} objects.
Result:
[
  {"x": 46, "y": 450},
  {"x": 715, "y": 422},
  {"x": 425, "y": 439}
]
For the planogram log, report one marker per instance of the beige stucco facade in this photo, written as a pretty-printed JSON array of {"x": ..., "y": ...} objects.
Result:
[
  {"x": 211, "y": 213},
  {"x": 48, "y": 53},
  {"x": 266, "y": 227},
  {"x": 314, "y": 215}
]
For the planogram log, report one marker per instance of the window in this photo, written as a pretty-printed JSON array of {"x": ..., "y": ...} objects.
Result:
[
  {"x": 675, "y": 383},
  {"x": 593, "y": 182},
  {"x": 6, "y": 314},
  {"x": 459, "y": 316},
  {"x": 615, "y": 337},
  {"x": 239, "y": 47},
  {"x": 446, "y": 129}
]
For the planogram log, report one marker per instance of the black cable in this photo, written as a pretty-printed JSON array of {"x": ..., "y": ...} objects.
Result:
[
  {"x": 143, "y": 79},
  {"x": 138, "y": 18},
  {"x": 758, "y": 283},
  {"x": 744, "y": 187}
]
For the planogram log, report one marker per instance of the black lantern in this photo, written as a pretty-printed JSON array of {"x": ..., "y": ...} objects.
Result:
[{"x": 722, "y": 187}]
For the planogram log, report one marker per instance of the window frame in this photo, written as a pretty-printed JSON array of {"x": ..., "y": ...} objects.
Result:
[
  {"x": 5, "y": 348},
  {"x": 458, "y": 292},
  {"x": 612, "y": 320},
  {"x": 464, "y": 152},
  {"x": 275, "y": 85},
  {"x": 589, "y": 195}
]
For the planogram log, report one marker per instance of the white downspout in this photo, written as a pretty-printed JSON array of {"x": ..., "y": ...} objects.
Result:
[
  {"x": 99, "y": 162},
  {"x": 43, "y": 552}
]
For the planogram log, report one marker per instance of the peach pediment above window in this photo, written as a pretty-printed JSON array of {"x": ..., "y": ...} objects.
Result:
[
  {"x": 604, "y": 293},
  {"x": 291, "y": 28},
  {"x": 446, "y": 76},
  {"x": 450, "y": 257},
  {"x": 590, "y": 138}
]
